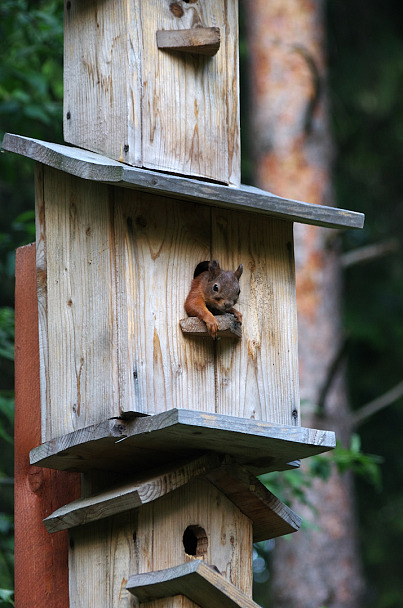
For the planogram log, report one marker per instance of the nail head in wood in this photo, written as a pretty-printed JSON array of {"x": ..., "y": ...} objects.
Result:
[
  {"x": 197, "y": 40},
  {"x": 228, "y": 327}
]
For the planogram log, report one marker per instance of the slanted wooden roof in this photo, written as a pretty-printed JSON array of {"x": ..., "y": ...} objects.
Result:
[{"x": 91, "y": 166}]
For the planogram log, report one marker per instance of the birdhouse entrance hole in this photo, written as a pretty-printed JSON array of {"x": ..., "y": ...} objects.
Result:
[{"x": 195, "y": 541}]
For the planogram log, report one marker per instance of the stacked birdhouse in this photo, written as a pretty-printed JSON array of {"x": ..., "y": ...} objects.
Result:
[{"x": 168, "y": 422}]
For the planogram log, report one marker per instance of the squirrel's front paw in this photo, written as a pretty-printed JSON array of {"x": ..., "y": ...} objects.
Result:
[
  {"x": 212, "y": 328},
  {"x": 237, "y": 315}
]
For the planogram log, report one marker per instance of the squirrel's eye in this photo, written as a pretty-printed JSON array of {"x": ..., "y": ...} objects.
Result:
[{"x": 215, "y": 287}]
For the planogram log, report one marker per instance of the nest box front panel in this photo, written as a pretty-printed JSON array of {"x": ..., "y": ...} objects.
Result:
[
  {"x": 114, "y": 269},
  {"x": 149, "y": 104}
]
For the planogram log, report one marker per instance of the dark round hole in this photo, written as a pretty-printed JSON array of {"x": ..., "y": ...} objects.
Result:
[{"x": 195, "y": 540}]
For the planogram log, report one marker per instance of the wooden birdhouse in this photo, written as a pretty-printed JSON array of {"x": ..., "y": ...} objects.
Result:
[
  {"x": 155, "y": 84},
  {"x": 168, "y": 427}
]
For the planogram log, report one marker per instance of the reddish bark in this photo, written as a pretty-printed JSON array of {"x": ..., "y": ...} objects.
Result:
[
  {"x": 293, "y": 155},
  {"x": 41, "y": 573}
]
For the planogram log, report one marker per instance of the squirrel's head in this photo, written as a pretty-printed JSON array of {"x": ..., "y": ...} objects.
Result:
[{"x": 221, "y": 288}]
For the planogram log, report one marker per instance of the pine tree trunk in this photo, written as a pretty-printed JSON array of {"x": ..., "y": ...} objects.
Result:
[{"x": 319, "y": 566}]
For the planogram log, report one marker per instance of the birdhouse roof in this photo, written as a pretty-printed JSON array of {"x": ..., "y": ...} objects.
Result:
[{"x": 91, "y": 166}]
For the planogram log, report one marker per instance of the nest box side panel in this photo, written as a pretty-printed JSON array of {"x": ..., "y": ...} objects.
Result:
[
  {"x": 258, "y": 377},
  {"x": 102, "y": 87},
  {"x": 158, "y": 244},
  {"x": 76, "y": 287},
  {"x": 186, "y": 97}
]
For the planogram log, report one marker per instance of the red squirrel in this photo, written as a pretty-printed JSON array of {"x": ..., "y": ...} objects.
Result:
[{"x": 213, "y": 291}]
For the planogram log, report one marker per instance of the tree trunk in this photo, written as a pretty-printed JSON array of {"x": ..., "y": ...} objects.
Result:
[{"x": 319, "y": 566}]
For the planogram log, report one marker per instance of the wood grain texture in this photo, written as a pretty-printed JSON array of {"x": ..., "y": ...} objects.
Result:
[
  {"x": 228, "y": 327},
  {"x": 41, "y": 574},
  {"x": 117, "y": 444},
  {"x": 102, "y": 78},
  {"x": 254, "y": 200},
  {"x": 198, "y": 581},
  {"x": 124, "y": 497},
  {"x": 126, "y": 99},
  {"x": 257, "y": 377},
  {"x": 81, "y": 366},
  {"x": 270, "y": 517},
  {"x": 196, "y": 40},
  {"x": 157, "y": 248},
  {"x": 226, "y": 533},
  {"x": 101, "y": 555}
]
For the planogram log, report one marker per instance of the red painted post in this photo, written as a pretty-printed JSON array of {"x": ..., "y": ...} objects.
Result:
[{"x": 41, "y": 569}]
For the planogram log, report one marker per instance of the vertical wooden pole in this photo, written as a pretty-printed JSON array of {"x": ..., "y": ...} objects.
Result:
[{"x": 41, "y": 573}]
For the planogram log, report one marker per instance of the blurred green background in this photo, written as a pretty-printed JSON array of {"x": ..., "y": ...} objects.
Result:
[{"x": 365, "y": 51}]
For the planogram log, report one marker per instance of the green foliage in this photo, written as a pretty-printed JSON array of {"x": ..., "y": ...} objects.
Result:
[
  {"x": 30, "y": 71},
  {"x": 292, "y": 485},
  {"x": 366, "y": 80},
  {"x": 6, "y": 597}
]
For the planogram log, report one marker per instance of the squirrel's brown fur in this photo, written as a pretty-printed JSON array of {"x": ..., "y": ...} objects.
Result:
[{"x": 213, "y": 291}]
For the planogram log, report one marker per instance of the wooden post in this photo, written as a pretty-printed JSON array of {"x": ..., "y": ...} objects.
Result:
[
  {"x": 41, "y": 575},
  {"x": 169, "y": 429}
]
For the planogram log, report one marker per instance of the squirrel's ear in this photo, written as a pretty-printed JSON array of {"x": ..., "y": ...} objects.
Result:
[
  {"x": 238, "y": 271},
  {"x": 214, "y": 269}
]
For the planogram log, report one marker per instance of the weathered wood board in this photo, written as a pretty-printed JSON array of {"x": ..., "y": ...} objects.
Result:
[
  {"x": 196, "y": 580},
  {"x": 104, "y": 553},
  {"x": 128, "y": 99},
  {"x": 142, "y": 443},
  {"x": 270, "y": 517},
  {"x": 95, "y": 167},
  {"x": 114, "y": 270}
]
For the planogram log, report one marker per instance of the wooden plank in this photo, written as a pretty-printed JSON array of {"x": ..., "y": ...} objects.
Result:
[
  {"x": 185, "y": 97},
  {"x": 115, "y": 444},
  {"x": 99, "y": 168},
  {"x": 41, "y": 574},
  {"x": 125, "y": 100},
  {"x": 157, "y": 246},
  {"x": 228, "y": 327},
  {"x": 198, "y": 41},
  {"x": 198, "y": 581},
  {"x": 101, "y": 555},
  {"x": 196, "y": 521},
  {"x": 128, "y": 496},
  {"x": 102, "y": 78},
  {"x": 270, "y": 517},
  {"x": 42, "y": 295},
  {"x": 80, "y": 370},
  {"x": 257, "y": 377}
]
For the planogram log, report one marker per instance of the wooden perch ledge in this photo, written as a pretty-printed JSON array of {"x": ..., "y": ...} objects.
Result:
[
  {"x": 199, "y": 582},
  {"x": 197, "y": 40},
  {"x": 228, "y": 327},
  {"x": 116, "y": 445}
]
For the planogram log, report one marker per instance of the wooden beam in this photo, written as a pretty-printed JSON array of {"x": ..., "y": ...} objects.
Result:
[
  {"x": 197, "y": 40},
  {"x": 89, "y": 165},
  {"x": 143, "y": 442},
  {"x": 41, "y": 573},
  {"x": 228, "y": 327},
  {"x": 129, "y": 496},
  {"x": 270, "y": 517},
  {"x": 196, "y": 580}
]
